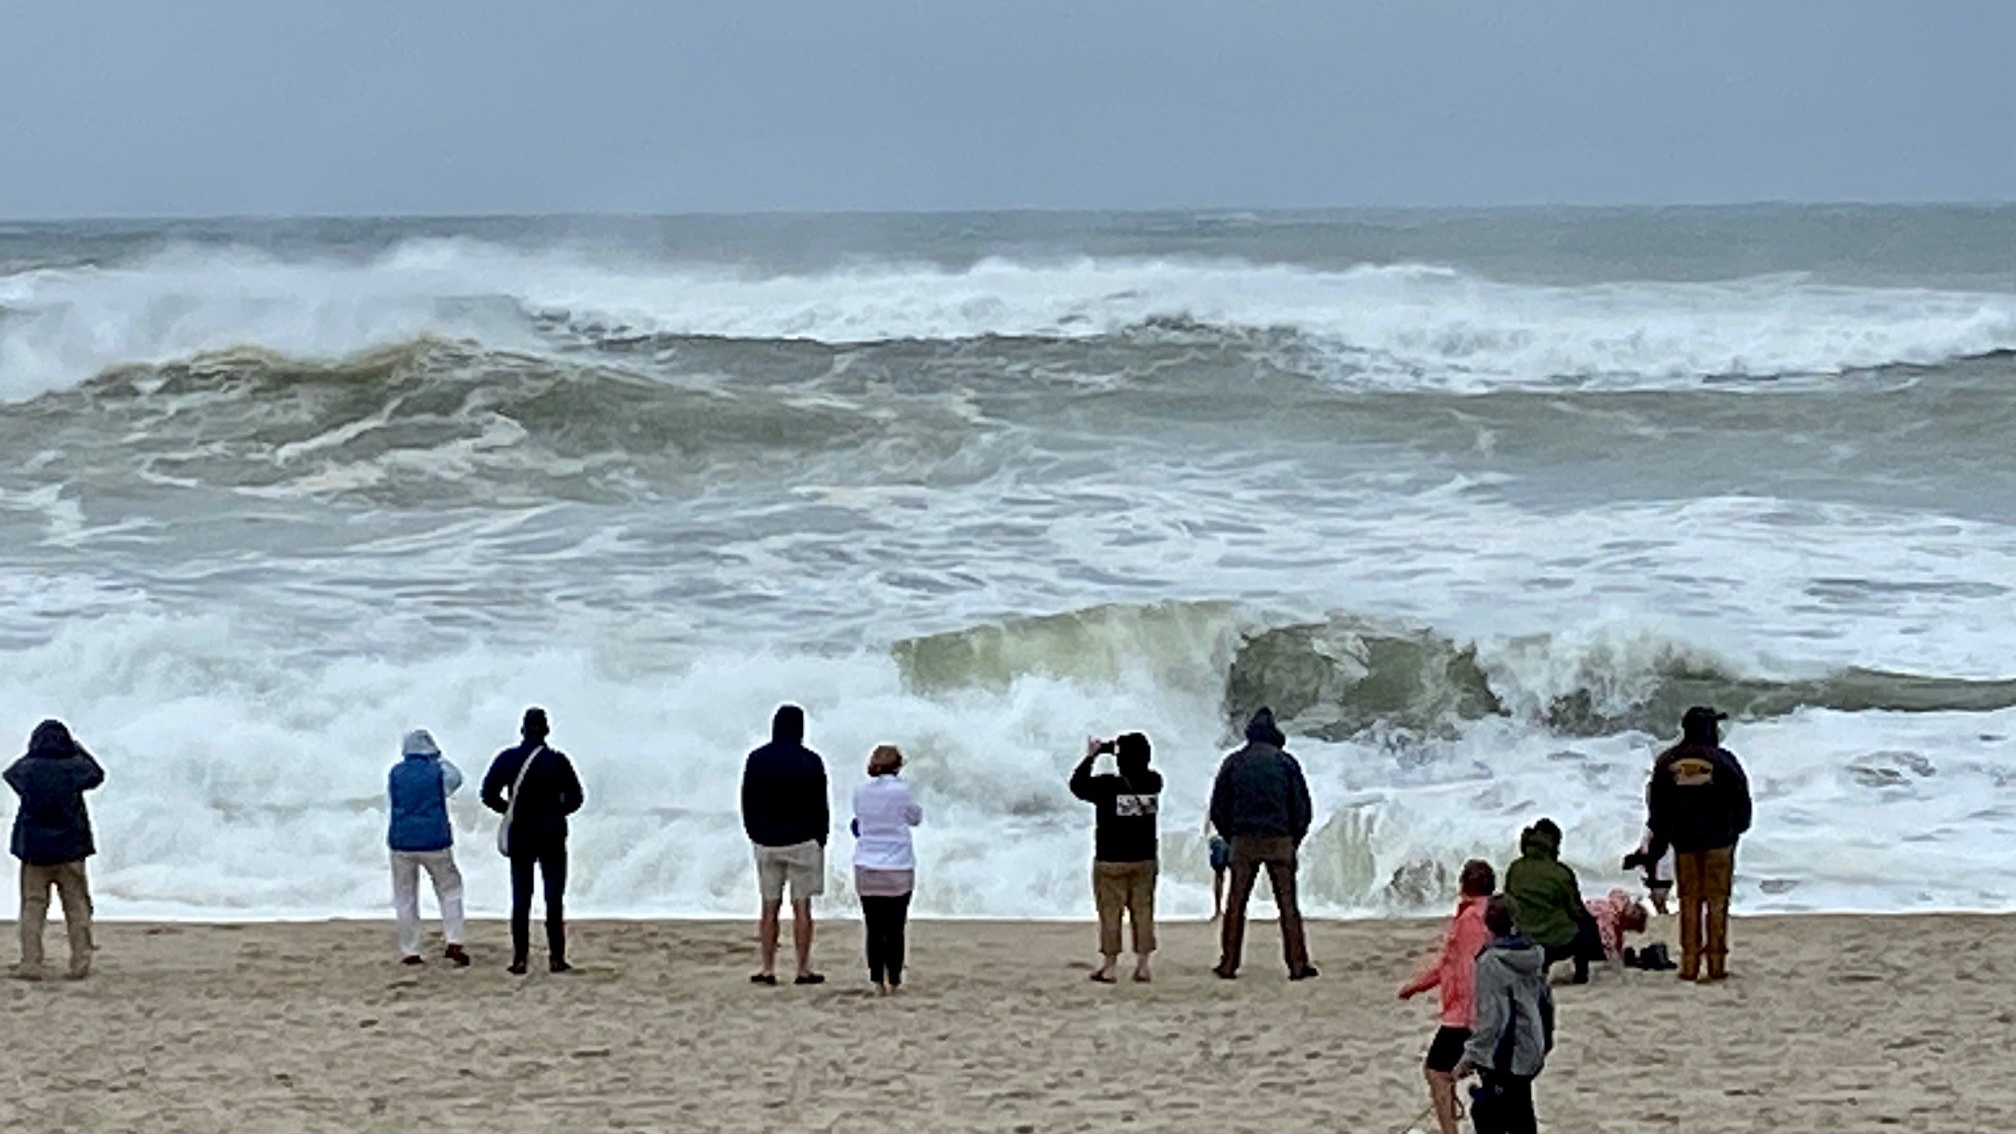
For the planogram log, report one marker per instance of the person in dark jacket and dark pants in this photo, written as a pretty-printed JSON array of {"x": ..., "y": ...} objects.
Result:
[
  {"x": 52, "y": 838},
  {"x": 1123, "y": 847},
  {"x": 787, "y": 817},
  {"x": 1698, "y": 803},
  {"x": 534, "y": 787},
  {"x": 1260, "y": 803}
]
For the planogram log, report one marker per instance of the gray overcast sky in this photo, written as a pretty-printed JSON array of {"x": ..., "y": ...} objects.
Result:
[{"x": 198, "y": 107}]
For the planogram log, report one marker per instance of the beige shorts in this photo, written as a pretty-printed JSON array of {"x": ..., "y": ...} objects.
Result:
[{"x": 801, "y": 865}]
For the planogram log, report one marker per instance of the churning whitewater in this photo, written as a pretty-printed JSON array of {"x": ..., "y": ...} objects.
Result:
[{"x": 1478, "y": 502}]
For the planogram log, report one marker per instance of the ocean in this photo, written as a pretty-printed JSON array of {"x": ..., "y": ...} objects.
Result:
[{"x": 1478, "y": 501}]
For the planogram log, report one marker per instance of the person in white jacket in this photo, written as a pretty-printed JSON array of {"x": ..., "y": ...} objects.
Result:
[{"x": 885, "y": 867}]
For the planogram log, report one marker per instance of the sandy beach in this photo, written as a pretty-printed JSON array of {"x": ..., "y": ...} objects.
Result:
[{"x": 1829, "y": 1023}]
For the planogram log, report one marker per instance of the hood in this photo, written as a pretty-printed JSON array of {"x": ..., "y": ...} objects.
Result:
[
  {"x": 788, "y": 726},
  {"x": 52, "y": 739},
  {"x": 1537, "y": 842},
  {"x": 1519, "y": 954},
  {"x": 1261, "y": 729},
  {"x": 419, "y": 745}
]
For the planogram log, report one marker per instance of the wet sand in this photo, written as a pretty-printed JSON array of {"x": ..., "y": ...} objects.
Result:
[{"x": 1828, "y": 1024}]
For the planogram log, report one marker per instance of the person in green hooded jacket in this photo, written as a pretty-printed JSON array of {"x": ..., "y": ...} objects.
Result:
[{"x": 1549, "y": 900}]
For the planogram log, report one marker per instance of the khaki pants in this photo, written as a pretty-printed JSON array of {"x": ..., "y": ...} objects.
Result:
[
  {"x": 75, "y": 891},
  {"x": 1277, "y": 855},
  {"x": 1128, "y": 886},
  {"x": 1705, "y": 879}
]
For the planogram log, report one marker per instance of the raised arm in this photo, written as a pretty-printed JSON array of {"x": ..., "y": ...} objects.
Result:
[{"x": 1081, "y": 776}]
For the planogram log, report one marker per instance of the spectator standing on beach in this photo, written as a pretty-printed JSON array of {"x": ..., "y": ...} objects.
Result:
[
  {"x": 1454, "y": 971},
  {"x": 1260, "y": 803},
  {"x": 52, "y": 838},
  {"x": 1513, "y": 1029},
  {"x": 421, "y": 838},
  {"x": 786, "y": 815},
  {"x": 1127, "y": 805},
  {"x": 534, "y": 787},
  {"x": 885, "y": 865},
  {"x": 1548, "y": 899},
  {"x": 1698, "y": 803}
]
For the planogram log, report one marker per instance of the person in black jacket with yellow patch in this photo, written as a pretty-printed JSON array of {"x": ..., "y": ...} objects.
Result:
[{"x": 1698, "y": 802}]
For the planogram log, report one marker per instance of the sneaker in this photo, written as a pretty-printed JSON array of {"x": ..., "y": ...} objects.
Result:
[
  {"x": 559, "y": 966},
  {"x": 456, "y": 956},
  {"x": 515, "y": 968},
  {"x": 1307, "y": 972},
  {"x": 411, "y": 959}
]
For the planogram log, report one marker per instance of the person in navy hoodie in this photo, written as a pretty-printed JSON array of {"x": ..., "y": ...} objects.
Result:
[
  {"x": 534, "y": 787},
  {"x": 422, "y": 839},
  {"x": 52, "y": 838},
  {"x": 787, "y": 817}
]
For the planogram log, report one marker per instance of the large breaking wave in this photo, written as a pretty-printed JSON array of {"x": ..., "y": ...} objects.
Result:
[{"x": 1400, "y": 326}]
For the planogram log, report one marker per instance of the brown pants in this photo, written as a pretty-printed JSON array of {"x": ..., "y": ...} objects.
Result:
[
  {"x": 1128, "y": 886},
  {"x": 1249, "y": 854},
  {"x": 75, "y": 891},
  {"x": 1705, "y": 878}
]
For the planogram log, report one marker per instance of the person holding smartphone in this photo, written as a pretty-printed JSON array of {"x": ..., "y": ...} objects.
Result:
[{"x": 1124, "y": 858}]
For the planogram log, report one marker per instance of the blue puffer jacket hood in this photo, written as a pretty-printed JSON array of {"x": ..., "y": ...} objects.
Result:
[{"x": 418, "y": 788}]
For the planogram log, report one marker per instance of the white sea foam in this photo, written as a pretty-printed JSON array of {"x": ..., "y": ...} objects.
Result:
[
  {"x": 246, "y": 779},
  {"x": 1401, "y": 326}
]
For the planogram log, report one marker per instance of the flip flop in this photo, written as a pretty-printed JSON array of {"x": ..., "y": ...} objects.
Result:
[
  {"x": 763, "y": 978},
  {"x": 810, "y": 978}
]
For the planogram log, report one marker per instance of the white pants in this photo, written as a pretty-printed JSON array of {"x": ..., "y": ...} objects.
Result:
[{"x": 440, "y": 867}]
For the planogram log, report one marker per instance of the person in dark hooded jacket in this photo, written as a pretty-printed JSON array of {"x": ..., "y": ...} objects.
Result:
[
  {"x": 1513, "y": 1029},
  {"x": 787, "y": 816},
  {"x": 52, "y": 838},
  {"x": 1698, "y": 803},
  {"x": 534, "y": 787},
  {"x": 1260, "y": 803}
]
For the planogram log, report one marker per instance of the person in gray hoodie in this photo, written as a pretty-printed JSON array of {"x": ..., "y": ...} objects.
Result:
[{"x": 1513, "y": 1029}]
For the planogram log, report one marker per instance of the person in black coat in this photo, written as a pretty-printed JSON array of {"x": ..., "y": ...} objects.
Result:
[
  {"x": 52, "y": 838},
  {"x": 1260, "y": 803},
  {"x": 534, "y": 787}
]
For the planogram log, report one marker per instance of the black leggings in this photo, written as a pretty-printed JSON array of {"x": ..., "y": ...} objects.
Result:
[
  {"x": 552, "y": 864},
  {"x": 884, "y": 920}
]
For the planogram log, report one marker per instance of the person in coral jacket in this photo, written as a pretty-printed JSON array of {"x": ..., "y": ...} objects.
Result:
[{"x": 1454, "y": 971}]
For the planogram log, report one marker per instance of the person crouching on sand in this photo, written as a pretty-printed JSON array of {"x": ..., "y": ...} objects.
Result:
[
  {"x": 1124, "y": 854},
  {"x": 885, "y": 866},
  {"x": 1513, "y": 1029},
  {"x": 534, "y": 787},
  {"x": 52, "y": 838},
  {"x": 421, "y": 838},
  {"x": 1454, "y": 971}
]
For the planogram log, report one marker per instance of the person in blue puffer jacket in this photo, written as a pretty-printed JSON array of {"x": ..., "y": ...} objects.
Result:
[{"x": 421, "y": 838}]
